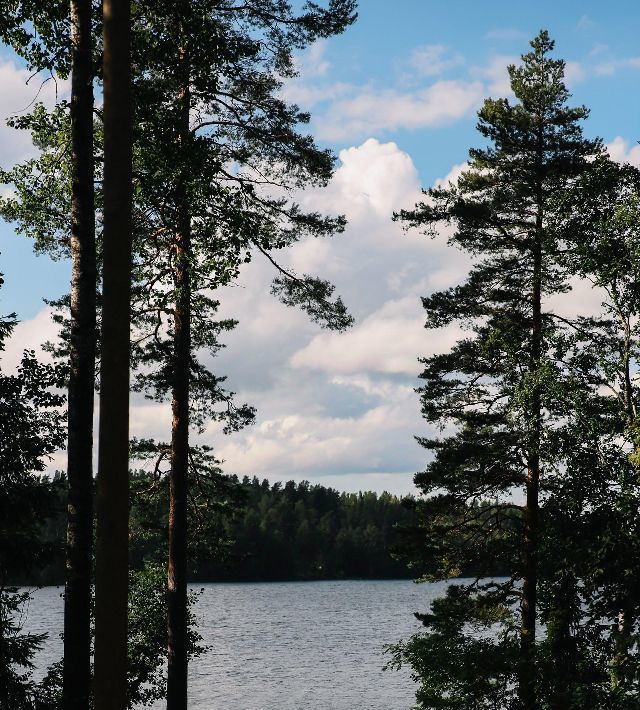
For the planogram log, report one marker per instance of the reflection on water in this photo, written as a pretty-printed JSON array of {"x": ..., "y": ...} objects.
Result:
[{"x": 287, "y": 646}]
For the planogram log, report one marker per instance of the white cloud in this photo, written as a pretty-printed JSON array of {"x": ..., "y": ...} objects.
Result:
[
  {"x": 585, "y": 23},
  {"x": 452, "y": 176},
  {"x": 341, "y": 408},
  {"x": 434, "y": 59},
  {"x": 304, "y": 446},
  {"x": 29, "y": 334},
  {"x": 300, "y": 92},
  {"x": 584, "y": 299},
  {"x": 372, "y": 111},
  {"x": 620, "y": 151},
  {"x": 389, "y": 341},
  {"x": 611, "y": 67},
  {"x": 574, "y": 73},
  {"x": 373, "y": 178},
  {"x": 495, "y": 74},
  {"x": 314, "y": 62}
]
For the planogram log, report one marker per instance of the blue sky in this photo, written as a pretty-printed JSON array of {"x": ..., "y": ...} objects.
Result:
[
  {"x": 395, "y": 97},
  {"x": 598, "y": 36}
]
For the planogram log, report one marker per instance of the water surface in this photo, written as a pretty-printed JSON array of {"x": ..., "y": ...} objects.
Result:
[{"x": 288, "y": 646}]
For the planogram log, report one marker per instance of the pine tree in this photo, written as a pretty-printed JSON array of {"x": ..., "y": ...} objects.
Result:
[
  {"x": 210, "y": 194},
  {"x": 600, "y": 491},
  {"x": 497, "y": 390},
  {"x": 208, "y": 202}
]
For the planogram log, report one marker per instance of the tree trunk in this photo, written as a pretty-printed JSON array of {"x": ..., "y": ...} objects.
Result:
[
  {"x": 77, "y": 599},
  {"x": 527, "y": 671},
  {"x": 112, "y": 502},
  {"x": 178, "y": 485}
]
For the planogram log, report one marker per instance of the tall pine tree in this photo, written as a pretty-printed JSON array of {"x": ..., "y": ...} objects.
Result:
[
  {"x": 218, "y": 153},
  {"x": 496, "y": 391}
]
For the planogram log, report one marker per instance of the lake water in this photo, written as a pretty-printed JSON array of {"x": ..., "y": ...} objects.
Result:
[{"x": 287, "y": 646}]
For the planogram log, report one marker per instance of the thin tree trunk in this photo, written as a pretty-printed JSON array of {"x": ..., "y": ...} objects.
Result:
[
  {"x": 77, "y": 599},
  {"x": 178, "y": 485},
  {"x": 527, "y": 671},
  {"x": 112, "y": 502}
]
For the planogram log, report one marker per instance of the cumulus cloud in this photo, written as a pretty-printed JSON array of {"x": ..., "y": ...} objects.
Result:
[
  {"x": 388, "y": 341},
  {"x": 314, "y": 62},
  {"x": 574, "y": 73},
  {"x": 452, "y": 176},
  {"x": 372, "y": 180},
  {"x": 495, "y": 74},
  {"x": 345, "y": 111},
  {"x": 310, "y": 445},
  {"x": 341, "y": 408}
]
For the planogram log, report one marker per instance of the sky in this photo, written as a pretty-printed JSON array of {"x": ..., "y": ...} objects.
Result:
[{"x": 395, "y": 97}]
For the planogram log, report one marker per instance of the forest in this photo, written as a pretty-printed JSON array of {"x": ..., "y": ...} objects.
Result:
[
  {"x": 273, "y": 532},
  {"x": 176, "y": 161}
]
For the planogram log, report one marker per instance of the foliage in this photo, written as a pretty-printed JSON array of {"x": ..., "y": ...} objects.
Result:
[
  {"x": 147, "y": 635},
  {"x": 302, "y": 531},
  {"x": 503, "y": 397},
  {"x": 31, "y": 429},
  {"x": 251, "y": 530}
]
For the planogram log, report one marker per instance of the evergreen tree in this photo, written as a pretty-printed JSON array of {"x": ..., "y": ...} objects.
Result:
[
  {"x": 499, "y": 390},
  {"x": 598, "y": 496},
  {"x": 208, "y": 195},
  {"x": 208, "y": 202}
]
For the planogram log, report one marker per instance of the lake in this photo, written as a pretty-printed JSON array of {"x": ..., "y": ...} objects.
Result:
[{"x": 289, "y": 645}]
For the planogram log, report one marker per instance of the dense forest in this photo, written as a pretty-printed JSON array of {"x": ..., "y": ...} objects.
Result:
[
  {"x": 302, "y": 531},
  {"x": 291, "y": 531}
]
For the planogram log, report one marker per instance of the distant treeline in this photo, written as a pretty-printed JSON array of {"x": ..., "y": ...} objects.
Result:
[
  {"x": 291, "y": 531},
  {"x": 302, "y": 531}
]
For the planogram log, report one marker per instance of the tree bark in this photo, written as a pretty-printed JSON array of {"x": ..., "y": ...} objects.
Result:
[
  {"x": 527, "y": 671},
  {"x": 178, "y": 485},
  {"x": 77, "y": 599},
  {"x": 112, "y": 501}
]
